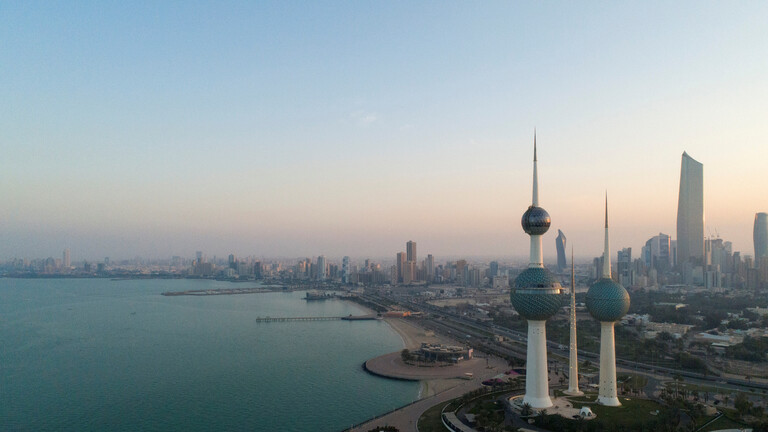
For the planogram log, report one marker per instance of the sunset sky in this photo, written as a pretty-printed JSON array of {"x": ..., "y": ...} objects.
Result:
[{"x": 348, "y": 128}]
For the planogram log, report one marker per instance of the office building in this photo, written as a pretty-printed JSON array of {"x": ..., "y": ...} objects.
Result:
[
  {"x": 400, "y": 263},
  {"x": 560, "y": 243},
  {"x": 410, "y": 249},
  {"x": 657, "y": 253},
  {"x": 429, "y": 265},
  {"x": 690, "y": 213},
  {"x": 321, "y": 268},
  {"x": 760, "y": 236},
  {"x": 625, "y": 270},
  {"x": 345, "y": 270}
]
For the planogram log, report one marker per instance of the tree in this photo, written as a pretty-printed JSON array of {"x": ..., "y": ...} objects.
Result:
[
  {"x": 405, "y": 355},
  {"x": 526, "y": 410},
  {"x": 742, "y": 404}
]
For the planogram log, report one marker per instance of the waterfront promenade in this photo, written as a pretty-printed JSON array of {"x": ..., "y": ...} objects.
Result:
[
  {"x": 406, "y": 418},
  {"x": 439, "y": 384}
]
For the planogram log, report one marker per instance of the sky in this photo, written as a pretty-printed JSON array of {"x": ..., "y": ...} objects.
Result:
[{"x": 347, "y": 128}]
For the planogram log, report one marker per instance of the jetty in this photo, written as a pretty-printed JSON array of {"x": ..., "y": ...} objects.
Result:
[
  {"x": 224, "y": 291},
  {"x": 320, "y": 318}
]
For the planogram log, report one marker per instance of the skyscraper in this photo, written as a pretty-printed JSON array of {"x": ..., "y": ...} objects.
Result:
[
  {"x": 400, "y": 263},
  {"x": 624, "y": 264},
  {"x": 536, "y": 297},
  {"x": 410, "y": 262},
  {"x": 690, "y": 212},
  {"x": 430, "y": 267},
  {"x": 607, "y": 302},
  {"x": 657, "y": 252},
  {"x": 760, "y": 236},
  {"x": 560, "y": 242},
  {"x": 66, "y": 261},
  {"x": 321, "y": 268},
  {"x": 345, "y": 270},
  {"x": 410, "y": 249}
]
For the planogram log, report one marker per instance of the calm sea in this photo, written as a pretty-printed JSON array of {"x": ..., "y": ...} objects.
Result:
[{"x": 95, "y": 354}]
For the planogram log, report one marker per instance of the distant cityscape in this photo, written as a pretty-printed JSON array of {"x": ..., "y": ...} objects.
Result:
[{"x": 694, "y": 259}]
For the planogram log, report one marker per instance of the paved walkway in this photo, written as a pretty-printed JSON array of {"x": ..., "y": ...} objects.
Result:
[
  {"x": 391, "y": 365},
  {"x": 405, "y": 419}
]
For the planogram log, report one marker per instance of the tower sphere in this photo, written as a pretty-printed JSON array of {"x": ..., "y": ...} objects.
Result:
[
  {"x": 536, "y": 294},
  {"x": 607, "y": 301},
  {"x": 536, "y": 221}
]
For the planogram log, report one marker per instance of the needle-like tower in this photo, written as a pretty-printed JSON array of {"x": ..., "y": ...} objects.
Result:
[
  {"x": 536, "y": 297},
  {"x": 607, "y": 302},
  {"x": 573, "y": 366}
]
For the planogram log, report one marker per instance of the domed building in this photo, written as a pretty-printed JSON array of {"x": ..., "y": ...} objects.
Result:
[
  {"x": 607, "y": 301},
  {"x": 536, "y": 296}
]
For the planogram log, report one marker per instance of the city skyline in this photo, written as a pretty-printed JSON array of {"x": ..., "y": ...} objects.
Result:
[{"x": 277, "y": 130}]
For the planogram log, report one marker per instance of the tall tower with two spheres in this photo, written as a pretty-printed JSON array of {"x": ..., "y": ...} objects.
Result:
[{"x": 536, "y": 297}]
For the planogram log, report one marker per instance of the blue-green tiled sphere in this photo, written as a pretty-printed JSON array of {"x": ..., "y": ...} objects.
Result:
[
  {"x": 536, "y": 294},
  {"x": 607, "y": 301}
]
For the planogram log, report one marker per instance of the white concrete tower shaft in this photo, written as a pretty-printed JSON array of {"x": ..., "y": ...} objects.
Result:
[
  {"x": 573, "y": 365},
  {"x": 536, "y": 375}
]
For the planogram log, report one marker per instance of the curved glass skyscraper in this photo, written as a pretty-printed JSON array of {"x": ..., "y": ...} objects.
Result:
[
  {"x": 690, "y": 212},
  {"x": 760, "y": 236}
]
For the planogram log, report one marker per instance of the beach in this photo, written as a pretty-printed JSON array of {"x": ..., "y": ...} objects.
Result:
[{"x": 438, "y": 384}]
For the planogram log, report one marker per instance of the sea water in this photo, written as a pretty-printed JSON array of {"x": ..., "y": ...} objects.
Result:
[{"x": 96, "y": 354}]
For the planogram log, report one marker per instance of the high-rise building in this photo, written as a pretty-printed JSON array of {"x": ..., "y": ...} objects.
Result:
[
  {"x": 760, "y": 236},
  {"x": 624, "y": 264},
  {"x": 400, "y": 263},
  {"x": 430, "y": 267},
  {"x": 536, "y": 297},
  {"x": 409, "y": 272},
  {"x": 493, "y": 271},
  {"x": 345, "y": 270},
  {"x": 607, "y": 301},
  {"x": 410, "y": 248},
  {"x": 66, "y": 261},
  {"x": 232, "y": 261},
  {"x": 560, "y": 246},
  {"x": 321, "y": 268},
  {"x": 657, "y": 252},
  {"x": 690, "y": 212}
]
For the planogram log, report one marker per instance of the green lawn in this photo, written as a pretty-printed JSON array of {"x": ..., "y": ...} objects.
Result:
[
  {"x": 430, "y": 421},
  {"x": 632, "y": 381},
  {"x": 724, "y": 422},
  {"x": 631, "y": 411}
]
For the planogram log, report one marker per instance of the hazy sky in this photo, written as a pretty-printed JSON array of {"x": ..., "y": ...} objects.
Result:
[{"x": 306, "y": 128}]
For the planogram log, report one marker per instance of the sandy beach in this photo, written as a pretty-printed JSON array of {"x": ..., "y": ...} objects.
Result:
[{"x": 437, "y": 384}]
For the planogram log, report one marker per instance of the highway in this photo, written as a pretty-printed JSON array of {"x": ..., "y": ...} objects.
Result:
[{"x": 478, "y": 331}]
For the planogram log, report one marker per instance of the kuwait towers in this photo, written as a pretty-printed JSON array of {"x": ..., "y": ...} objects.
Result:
[
  {"x": 536, "y": 297},
  {"x": 607, "y": 302}
]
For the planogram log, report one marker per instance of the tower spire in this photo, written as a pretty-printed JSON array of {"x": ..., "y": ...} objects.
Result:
[
  {"x": 535, "y": 174},
  {"x": 573, "y": 364},
  {"x": 606, "y": 251}
]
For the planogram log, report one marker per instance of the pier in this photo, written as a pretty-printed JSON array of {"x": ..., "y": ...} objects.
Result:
[{"x": 321, "y": 318}]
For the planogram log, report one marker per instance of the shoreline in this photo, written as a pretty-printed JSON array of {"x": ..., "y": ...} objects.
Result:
[{"x": 443, "y": 385}]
